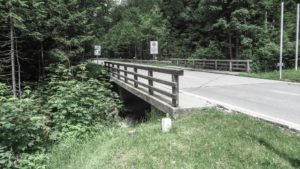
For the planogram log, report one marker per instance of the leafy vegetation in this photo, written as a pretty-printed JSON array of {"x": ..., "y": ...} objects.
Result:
[
  {"x": 203, "y": 29},
  {"x": 35, "y": 34},
  {"x": 46, "y": 97},
  {"x": 289, "y": 75},
  {"x": 69, "y": 105},
  {"x": 206, "y": 139}
]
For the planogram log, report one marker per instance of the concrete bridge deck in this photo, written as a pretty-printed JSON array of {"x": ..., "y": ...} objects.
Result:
[{"x": 275, "y": 101}]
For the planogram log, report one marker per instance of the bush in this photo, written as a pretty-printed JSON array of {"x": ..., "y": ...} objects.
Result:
[
  {"x": 4, "y": 92},
  {"x": 96, "y": 72},
  {"x": 22, "y": 128},
  {"x": 33, "y": 161},
  {"x": 78, "y": 104},
  {"x": 211, "y": 52},
  {"x": 70, "y": 105},
  {"x": 6, "y": 158}
]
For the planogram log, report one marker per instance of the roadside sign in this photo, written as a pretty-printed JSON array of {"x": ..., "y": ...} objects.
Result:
[
  {"x": 280, "y": 65},
  {"x": 153, "y": 47},
  {"x": 97, "y": 51}
]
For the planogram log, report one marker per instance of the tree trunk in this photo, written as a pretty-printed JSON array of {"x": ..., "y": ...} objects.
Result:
[
  {"x": 43, "y": 59},
  {"x": 237, "y": 44},
  {"x": 12, "y": 57},
  {"x": 19, "y": 70},
  {"x": 135, "y": 50},
  {"x": 230, "y": 46},
  {"x": 266, "y": 20}
]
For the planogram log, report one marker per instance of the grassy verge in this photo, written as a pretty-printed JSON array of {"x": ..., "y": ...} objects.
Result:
[
  {"x": 207, "y": 139},
  {"x": 288, "y": 75}
]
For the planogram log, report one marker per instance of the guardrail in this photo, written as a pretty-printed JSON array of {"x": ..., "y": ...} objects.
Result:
[
  {"x": 228, "y": 65},
  {"x": 121, "y": 71},
  {"x": 144, "y": 61}
]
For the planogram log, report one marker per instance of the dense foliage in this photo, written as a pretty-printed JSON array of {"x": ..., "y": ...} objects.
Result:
[
  {"x": 66, "y": 31},
  {"x": 69, "y": 105},
  {"x": 41, "y": 42},
  {"x": 204, "y": 29},
  {"x": 49, "y": 32}
]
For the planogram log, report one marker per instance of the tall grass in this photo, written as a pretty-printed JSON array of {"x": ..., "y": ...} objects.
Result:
[{"x": 207, "y": 139}]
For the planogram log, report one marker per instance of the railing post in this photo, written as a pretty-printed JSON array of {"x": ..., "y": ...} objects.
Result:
[
  {"x": 230, "y": 66},
  {"x": 175, "y": 91},
  {"x": 203, "y": 64},
  {"x": 216, "y": 65},
  {"x": 118, "y": 71},
  {"x": 150, "y": 81},
  {"x": 135, "y": 77},
  {"x": 125, "y": 74},
  {"x": 248, "y": 66},
  {"x": 194, "y": 66},
  {"x": 108, "y": 68},
  {"x": 113, "y": 70}
]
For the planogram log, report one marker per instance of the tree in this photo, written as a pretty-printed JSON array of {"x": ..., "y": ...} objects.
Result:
[{"x": 13, "y": 18}]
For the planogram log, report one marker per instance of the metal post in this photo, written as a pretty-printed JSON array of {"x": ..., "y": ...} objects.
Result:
[
  {"x": 150, "y": 81},
  {"x": 118, "y": 71},
  {"x": 281, "y": 40},
  {"x": 175, "y": 91},
  {"x": 216, "y": 65},
  {"x": 248, "y": 66},
  {"x": 135, "y": 77},
  {"x": 297, "y": 38},
  {"x": 125, "y": 74}
]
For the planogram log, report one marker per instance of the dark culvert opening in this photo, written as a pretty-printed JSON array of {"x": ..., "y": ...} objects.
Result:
[{"x": 134, "y": 109}]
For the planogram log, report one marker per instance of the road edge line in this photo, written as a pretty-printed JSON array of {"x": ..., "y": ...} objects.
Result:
[{"x": 288, "y": 124}]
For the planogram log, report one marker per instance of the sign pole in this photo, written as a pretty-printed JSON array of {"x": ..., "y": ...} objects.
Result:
[
  {"x": 281, "y": 40},
  {"x": 97, "y": 52},
  {"x": 297, "y": 37},
  {"x": 154, "y": 49}
]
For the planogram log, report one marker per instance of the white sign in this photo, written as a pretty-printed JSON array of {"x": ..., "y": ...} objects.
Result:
[
  {"x": 153, "y": 47},
  {"x": 280, "y": 65},
  {"x": 97, "y": 51}
]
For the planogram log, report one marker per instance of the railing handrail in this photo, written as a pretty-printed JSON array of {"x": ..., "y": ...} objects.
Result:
[
  {"x": 174, "y": 84},
  {"x": 231, "y": 65},
  {"x": 225, "y": 60},
  {"x": 151, "y": 68}
]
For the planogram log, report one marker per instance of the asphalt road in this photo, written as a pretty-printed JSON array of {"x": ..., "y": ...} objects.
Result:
[
  {"x": 271, "y": 100},
  {"x": 275, "y": 101}
]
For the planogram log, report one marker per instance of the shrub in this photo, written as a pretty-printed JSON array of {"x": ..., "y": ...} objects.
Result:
[
  {"x": 79, "y": 103},
  {"x": 96, "y": 72},
  {"x": 4, "y": 92},
  {"x": 33, "y": 161},
  {"x": 6, "y": 158},
  {"x": 70, "y": 105},
  {"x": 22, "y": 128}
]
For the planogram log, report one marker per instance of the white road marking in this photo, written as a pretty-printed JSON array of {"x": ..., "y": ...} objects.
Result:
[
  {"x": 248, "y": 112},
  {"x": 286, "y": 93}
]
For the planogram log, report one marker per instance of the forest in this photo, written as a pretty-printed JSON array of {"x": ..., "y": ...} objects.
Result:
[{"x": 48, "y": 90}]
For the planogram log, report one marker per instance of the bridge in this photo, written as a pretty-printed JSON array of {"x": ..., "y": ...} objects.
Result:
[{"x": 178, "y": 91}]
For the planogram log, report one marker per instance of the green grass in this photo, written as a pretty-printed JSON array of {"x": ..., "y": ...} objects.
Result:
[
  {"x": 288, "y": 75},
  {"x": 207, "y": 139}
]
